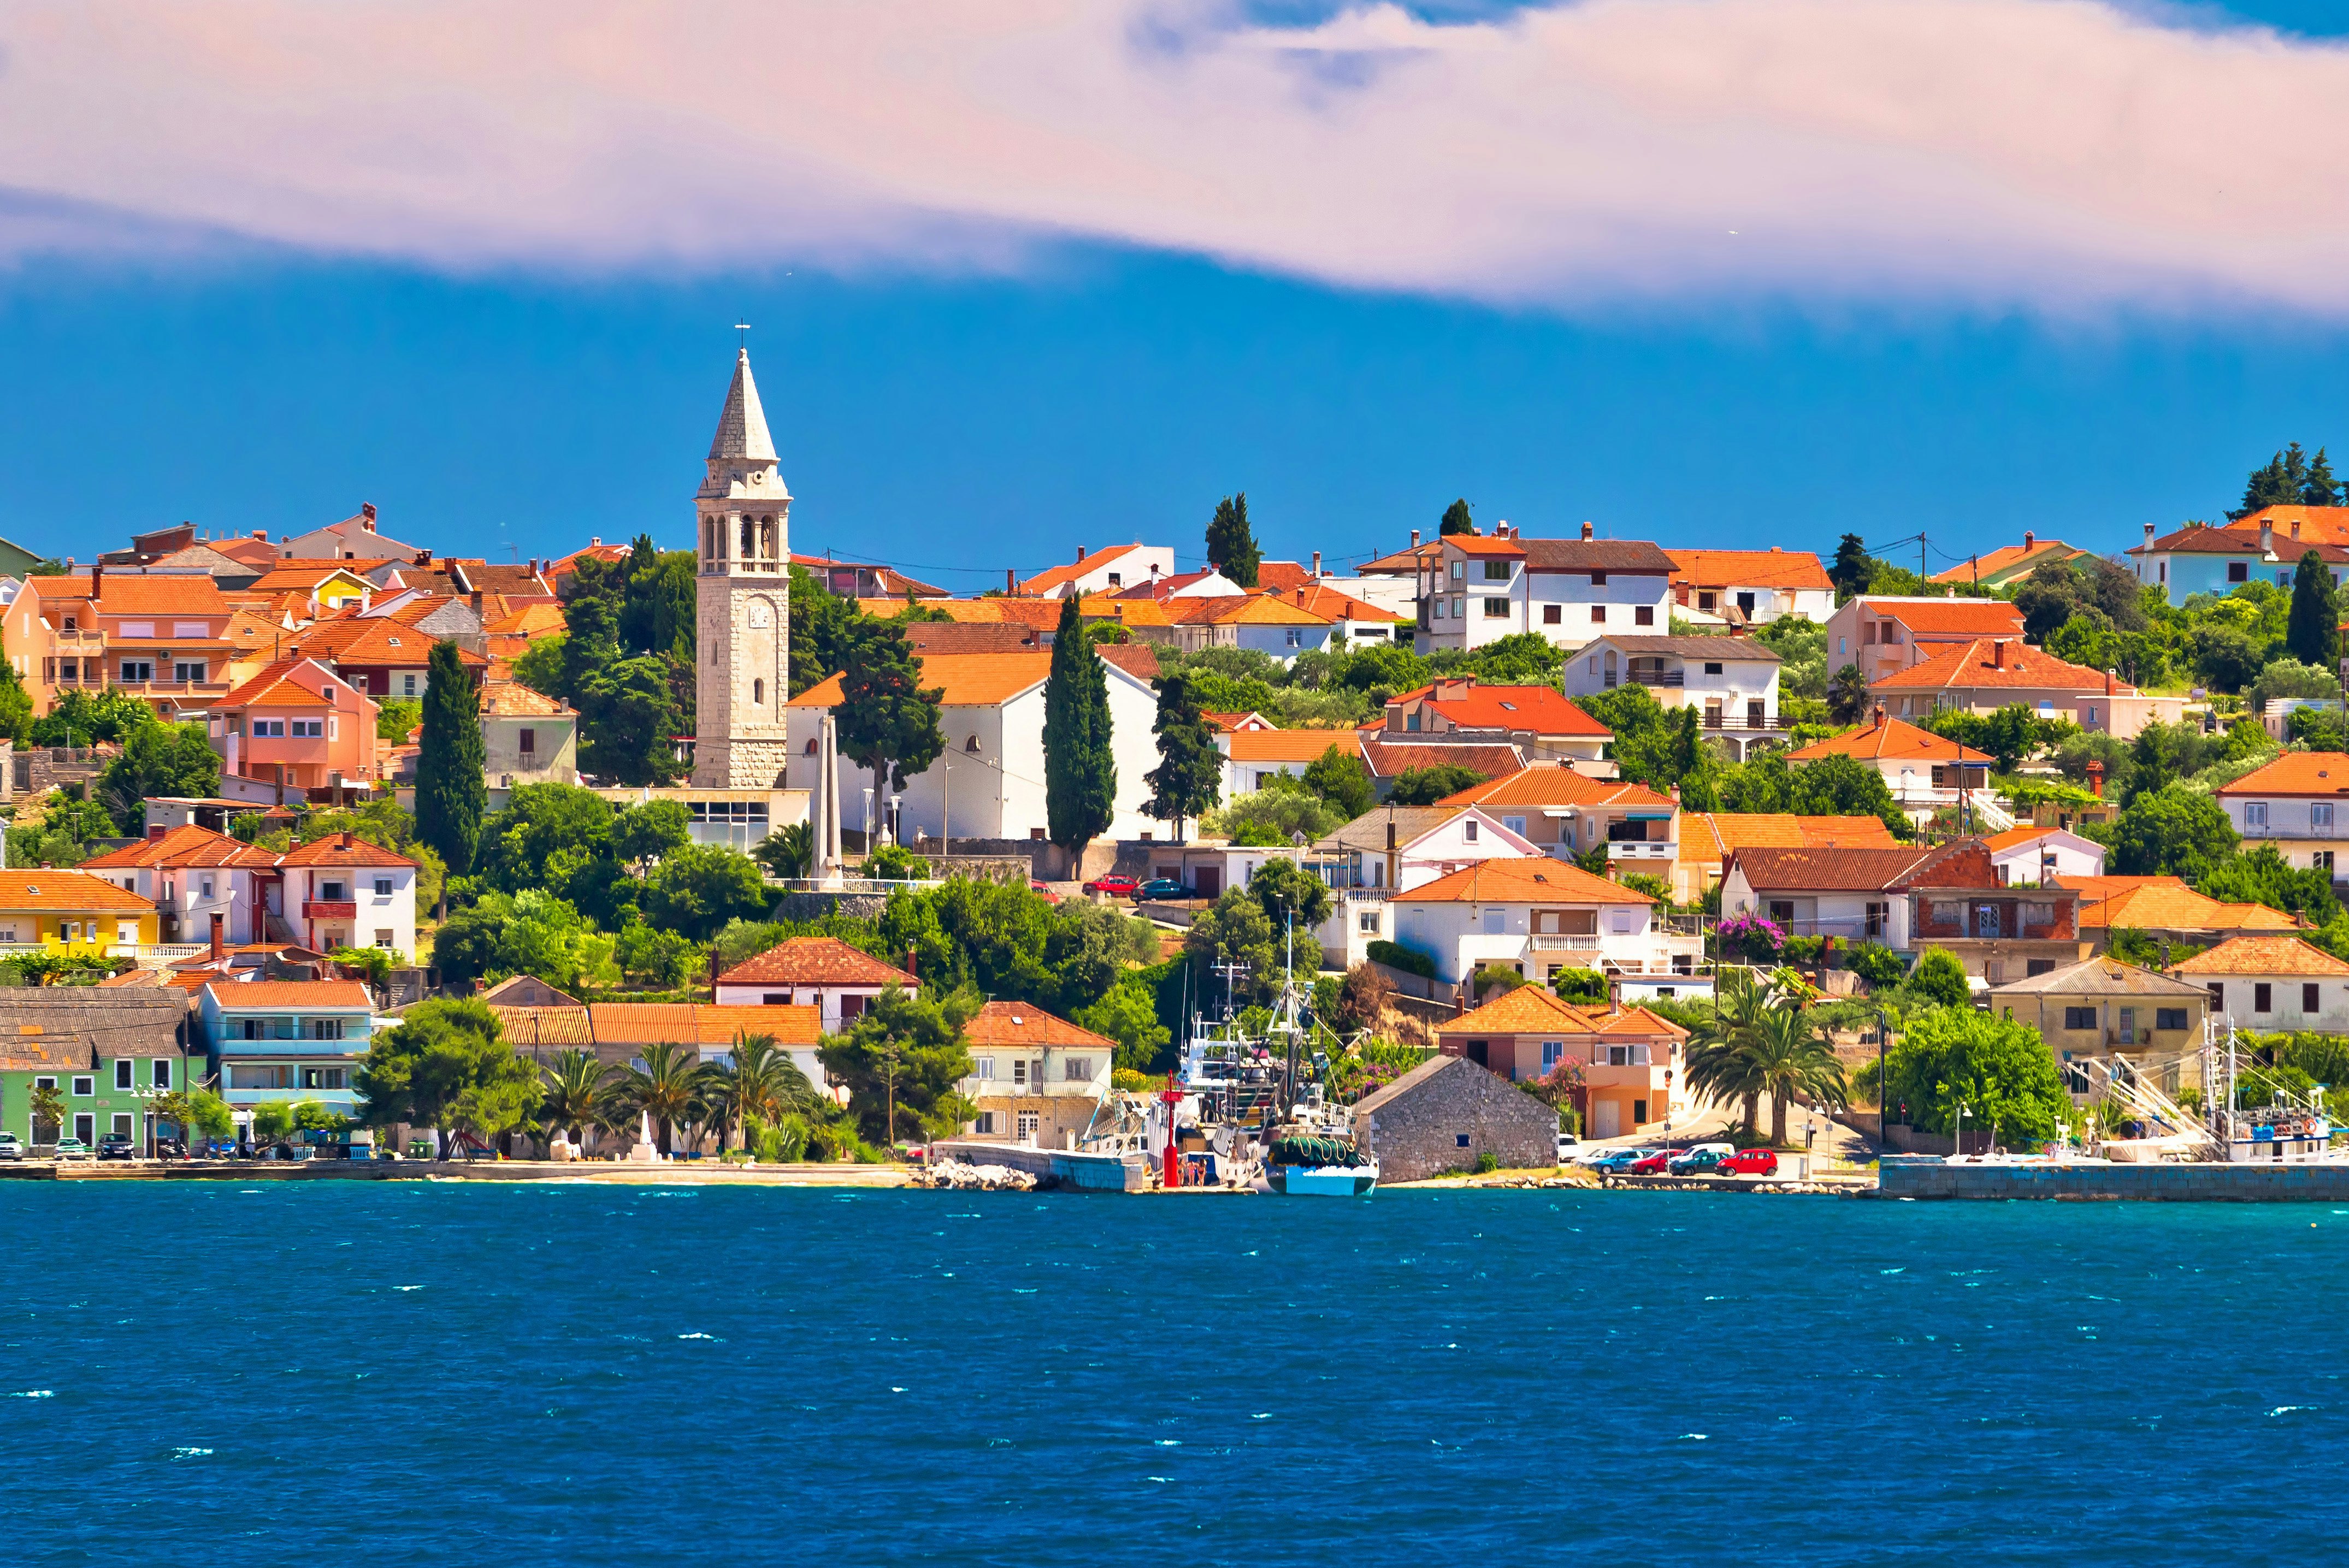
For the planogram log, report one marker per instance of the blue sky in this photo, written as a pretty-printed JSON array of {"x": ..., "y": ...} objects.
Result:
[{"x": 966, "y": 417}]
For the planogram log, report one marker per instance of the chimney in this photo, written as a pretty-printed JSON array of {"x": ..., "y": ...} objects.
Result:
[
  {"x": 366, "y": 515},
  {"x": 1010, "y": 580},
  {"x": 1879, "y": 716},
  {"x": 2109, "y": 674},
  {"x": 1414, "y": 539},
  {"x": 594, "y": 540},
  {"x": 1081, "y": 552},
  {"x": 1317, "y": 565},
  {"x": 2030, "y": 541},
  {"x": 910, "y": 967},
  {"x": 347, "y": 837},
  {"x": 2095, "y": 779},
  {"x": 1998, "y": 654},
  {"x": 1586, "y": 531},
  {"x": 2295, "y": 528},
  {"x": 154, "y": 831},
  {"x": 97, "y": 579},
  {"x": 220, "y": 941},
  {"x": 2267, "y": 536},
  {"x": 2148, "y": 533},
  {"x": 262, "y": 534}
]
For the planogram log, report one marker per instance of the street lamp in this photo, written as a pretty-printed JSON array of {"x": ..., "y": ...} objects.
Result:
[{"x": 1961, "y": 1127}]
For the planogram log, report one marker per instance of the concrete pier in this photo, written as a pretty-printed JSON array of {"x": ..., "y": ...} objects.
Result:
[
  {"x": 1060, "y": 1166},
  {"x": 1920, "y": 1177}
]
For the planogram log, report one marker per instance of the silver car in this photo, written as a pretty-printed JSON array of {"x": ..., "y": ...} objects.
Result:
[{"x": 11, "y": 1146}]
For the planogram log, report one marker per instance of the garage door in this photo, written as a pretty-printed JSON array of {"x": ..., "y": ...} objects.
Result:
[
  {"x": 1209, "y": 881},
  {"x": 1606, "y": 1118}
]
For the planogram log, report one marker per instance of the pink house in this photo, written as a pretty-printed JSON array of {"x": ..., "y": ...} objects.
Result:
[{"x": 298, "y": 725}]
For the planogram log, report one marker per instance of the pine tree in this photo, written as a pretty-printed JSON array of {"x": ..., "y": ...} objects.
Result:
[
  {"x": 1188, "y": 779},
  {"x": 888, "y": 724},
  {"x": 451, "y": 786},
  {"x": 1231, "y": 547},
  {"x": 1455, "y": 520},
  {"x": 2318, "y": 489},
  {"x": 2312, "y": 636},
  {"x": 1080, "y": 768},
  {"x": 2279, "y": 483},
  {"x": 1853, "y": 567}
]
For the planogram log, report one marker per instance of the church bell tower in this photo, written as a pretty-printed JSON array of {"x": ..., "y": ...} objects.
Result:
[{"x": 742, "y": 600}]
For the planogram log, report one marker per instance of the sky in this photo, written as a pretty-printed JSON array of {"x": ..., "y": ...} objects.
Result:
[{"x": 1029, "y": 276}]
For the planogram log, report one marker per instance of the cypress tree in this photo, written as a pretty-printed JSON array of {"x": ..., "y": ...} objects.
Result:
[
  {"x": 1231, "y": 546},
  {"x": 1189, "y": 778},
  {"x": 2312, "y": 636},
  {"x": 1080, "y": 768},
  {"x": 451, "y": 785},
  {"x": 1455, "y": 520},
  {"x": 1852, "y": 567}
]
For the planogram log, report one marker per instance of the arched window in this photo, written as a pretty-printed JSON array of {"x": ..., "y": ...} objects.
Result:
[
  {"x": 758, "y": 694},
  {"x": 971, "y": 745},
  {"x": 810, "y": 747},
  {"x": 766, "y": 538},
  {"x": 746, "y": 539}
]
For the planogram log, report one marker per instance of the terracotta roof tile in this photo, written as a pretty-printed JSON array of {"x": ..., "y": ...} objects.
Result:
[
  {"x": 967, "y": 680},
  {"x": 1535, "y": 880},
  {"x": 1981, "y": 663},
  {"x": 1952, "y": 617},
  {"x": 1391, "y": 759},
  {"x": 2168, "y": 906},
  {"x": 1045, "y": 581},
  {"x": 1290, "y": 745},
  {"x": 1547, "y": 784},
  {"x": 331, "y": 851},
  {"x": 1890, "y": 737},
  {"x": 1771, "y": 568},
  {"x": 2263, "y": 956},
  {"x": 815, "y": 961},
  {"x": 69, "y": 893},
  {"x": 1862, "y": 870},
  {"x": 1024, "y": 1024},
  {"x": 192, "y": 596},
  {"x": 187, "y": 845},
  {"x": 1540, "y": 710},
  {"x": 694, "y": 1024},
  {"x": 2007, "y": 557},
  {"x": 291, "y": 994},
  {"x": 2322, "y": 774}
]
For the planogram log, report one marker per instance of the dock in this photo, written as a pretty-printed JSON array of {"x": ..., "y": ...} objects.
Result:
[
  {"x": 2209, "y": 1181},
  {"x": 1063, "y": 1168}
]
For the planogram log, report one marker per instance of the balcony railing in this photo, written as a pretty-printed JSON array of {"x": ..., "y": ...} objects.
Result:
[
  {"x": 1715, "y": 720},
  {"x": 1628, "y": 848},
  {"x": 2287, "y": 830},
  {"x": 329, "y": 909},
  {"x": 1550, "y": 941}
]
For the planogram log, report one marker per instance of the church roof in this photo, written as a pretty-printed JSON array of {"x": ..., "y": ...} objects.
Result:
[{"x": 742, "y": 427}]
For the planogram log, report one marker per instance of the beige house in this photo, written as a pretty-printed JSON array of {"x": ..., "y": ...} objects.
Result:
[
  {"x": 527, "y": 738},
  {"x": 1036, "y": 1079},
  {"x": 2102, "y": 1009}
]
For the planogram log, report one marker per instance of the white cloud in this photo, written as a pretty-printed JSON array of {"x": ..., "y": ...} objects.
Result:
[{"x": 2056, "y": 154}]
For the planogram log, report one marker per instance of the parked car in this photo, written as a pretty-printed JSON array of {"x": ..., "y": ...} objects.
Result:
[
  {"x": 1748, "y": 1162},
  {"x": 220, "y": 1148},
  {"x": 1595, "y": 1155},
  {"x": 1696, "y": 1163},
  {"x": 11, "y": 1147},
  {"x": 1117, "y": 884},
  {"x": 72, "y": 1149},
  {"x": 1160, "y": 888},
  {"x": 1618, "y": 1161},
  {"x": 116, "y": 1146},
  {"x": 1655, "y": 1163},
  {"x": 1043, "y": 888}
]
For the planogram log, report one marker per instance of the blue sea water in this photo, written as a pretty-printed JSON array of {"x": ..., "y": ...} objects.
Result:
[{"x": 377, "y": 1372}]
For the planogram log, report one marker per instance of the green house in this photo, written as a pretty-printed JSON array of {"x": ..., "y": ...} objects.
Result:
[{"x": 108, "y": 1051}]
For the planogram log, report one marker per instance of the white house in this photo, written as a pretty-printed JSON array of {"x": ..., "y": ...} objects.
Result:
[
  {"x": 1536, "y": 719},
  {"x": 2272, "y": 984},
  {"x": 2294, "y": 803},
  {"x": 1924, "y": 771},
  {"x": 1035, "y": 1079},
  {"x": 2028, "y": 854},
  {"x": 286, "y": 1041},
  {"x": 2201, "y": 559},
  {"x": 191, "y": 874},
  {"x": 821, "y": 972},
  {"x": 1399, "y": 849},
  {"x": 1537, "y": 916},
  {"x": 1109, "y": 571},
  {"x": 1479, "y": 588},
  {"x": 1734, "y": 681},
  {"x": 1253, "y": 756},
  {"x": 1883, "y": 634},
  {"x": 343, "y": 892},
  {"x": 1269, "y": 623},
  {"x": 1564, "y": 813},
  {"x": 1750, "y": 587},
  {"x": 989, "y": 783}
]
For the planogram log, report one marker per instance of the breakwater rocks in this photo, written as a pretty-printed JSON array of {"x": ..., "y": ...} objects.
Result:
[{"x": 964, "y": 1178}]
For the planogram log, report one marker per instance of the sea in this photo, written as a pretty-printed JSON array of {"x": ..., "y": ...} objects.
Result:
[{"x": 321, "y": 1372}]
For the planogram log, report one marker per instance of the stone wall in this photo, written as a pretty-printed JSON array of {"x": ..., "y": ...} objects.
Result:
[
  {"x": 816, "y": 905},
  {"x": 1924, "y": 1178},
  {"x": 1445, "y": 1114}
]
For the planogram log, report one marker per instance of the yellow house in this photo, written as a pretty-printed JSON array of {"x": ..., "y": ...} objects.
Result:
[{"x": 72, "y": 912}]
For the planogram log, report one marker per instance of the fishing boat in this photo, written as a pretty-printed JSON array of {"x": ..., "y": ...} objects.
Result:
[{"x": 1310, "y": 1152}]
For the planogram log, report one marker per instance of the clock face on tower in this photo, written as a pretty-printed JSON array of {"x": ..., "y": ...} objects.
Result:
[{"x": 760, "y": 619}]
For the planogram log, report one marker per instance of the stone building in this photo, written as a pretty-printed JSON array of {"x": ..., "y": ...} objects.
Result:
[
  {"x": 741, "y": 598},
  {"x": 1445, "y": 1114}
]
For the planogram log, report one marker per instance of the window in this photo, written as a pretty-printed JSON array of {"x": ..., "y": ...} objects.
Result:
[
  {"x": 123, "y": 1073},
  {"x": 1781, "y": 910},
  {"x": 1026, "y": 1124},
  {"x": 851, "y": 1007},
  {"x": 1598, "y": 614},
  {"x": 758, "y": 694},
  {"x": 1076, "y": 1069},
  {"x": 85, "y": 1126},
  {"x": 1599, "y": 579},
  {"x": 2320, "y": 814},
  {"x": 1438, "y": 610},
  {"x": 323, "y": 1029},
  {"x": 2038, "y": 966},
  {"x": 123, "y": 1122},
  {"x": 1459, "y": 607},
  {"x": 1019, "y": 1072},
  {"x": 527, "y": 743},
  {"x": 331, "y": 892},
  {"x": 1459, "y": 1141},
  {"x": 1495, "y": 609},
  {"x": 1713, "y": 666},
  {"x": 2129, "y": 1025},
  {"x": 1840, "y": 643},
  {"x": 382, "y": 887},
  {"x": 408, "y": 686},
  {"x": 1117, "y": 578},
  {"x": 1644, "y": 616},
  {"x": 160, "y": 1074},
  {"x": 2170, "y": 1018},
  {"x": 1295, "y": 639},
  {"x": 85, "y": 1087},
  {"x": 1515, "y": 824},
  {"x": 1878, "y": 917},
  {"x": 2308, "y": 1002},
  {"x": 2238, "y": 572},
  {"x": 1458, "y": 568},
  {"x": 1497, "y": 571},
  {"x": 2079, "y": 1017},
  {"x": 188, "y": 671},
  {"x": 137, "y": 629},
  {"x": 983, "y": 1067},
  {"x": 326, "y": 1078},
  {"x": 985, "y": 1125},
  {"x": 1468, "y": 830},
  {"x": 2218, "y": 997},
  {"x": 309, "y": 728},
  {"x": 2262, "y": 997},
  {"x": 263, "y": 729},
  {"x": 2321, "y": 861},
  {"x": 2255, "y": 814},
  {"x": 272, "y": 1075},
  {"x": 206, "y": 887},
  {"x": 1368, "y": 923},
  {"x": 138, "y": 671},
  {"x": 1552, "y": 615}
]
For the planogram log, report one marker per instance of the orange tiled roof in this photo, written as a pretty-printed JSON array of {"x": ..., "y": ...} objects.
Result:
[
  {"x": 1534, "y": 880},
  {"x": 1045, "y": 582},
  {"x": 341, "y": 850},
  {"x": 306, "y": 576},
  {"x": 1536, "y": 1010},
  {"x": 192, "y": 596},
  {"x": 1850, "y": 832},
  {"x": 69, "y": 893},
  {"x": 1771, "y": 568},
  {"x": 1550, "y": 785},
  {"x": 374, "y": 640},
  {"x": 1246, "y": 610},
  {"x": 1024, "y": 1024},
  {"x": 1331, "y": 605},
  {"x": 1484, "y": 545},
  {"x": 967, "y": 680},
  {"x": 1543, "y": 710},
  {"x": 1864, "y": 868},
  {"x": 2263, "y": 956},
  {"x": 1952, "y": 617},
  {"x": 305, "y": 994},
  {"x": 512, "y": 699},
  {"x": 1889, "y": 737},
  {"x": 189, "y": 845},
  {"x": 696, "y": 1024},
  {"x": 2169, "y": 905},
  {"x": 2319, "y": 773},
  {"x": 2007, "y": 557},
  {"x": 1982, "y": 663},
  {"x": 1391, "y": 759},
  {"x": 275, "y": 684},
  {"x": 815, "y": 961},
  {"x": 1290, "y": 745}
]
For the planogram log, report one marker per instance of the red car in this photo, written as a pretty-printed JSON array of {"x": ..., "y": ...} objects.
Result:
[
  {"x": 1748, "y": 1162},
  {"x": 1043, "y": 889},
  {"x": 1116, "y": 884},
  {"x": 1653, "y": 1165}
]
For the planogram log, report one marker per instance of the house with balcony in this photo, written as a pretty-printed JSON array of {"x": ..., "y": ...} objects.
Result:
[
  {"x": 1392, "y": 850},
  {"x": 1707, "y": 839},
  {"x": 296, "y": 725},
  {"x": 1909, "y": 899},
  {"x": 2264, "y": 547},
  {"x": 1460, "y": 709},
  {"x": 2271, "y": 984},
  {"x": 2030, "y": 855},
  {"x": 1477, "y": 588},
  {"x": 191, "y": 874},
  {"x": 1627, "y": 1058},
  {"x": 1732, "y": 681},
  {"x": 1035, "y": 1079},
  {"x": 1750, "y": 587},
  {"x": 341, "y": 892},
  {"x": 378, "y": 654},
  {"x": 109, "y": 1052},
  {"x": 286, "y": 1041},
  {"x": 821, "y": 972},
  {"x": 1537, "y": 916},
  {"x": 1568, "y": 814},
  {"x": 1924, "y": 771},
  {"x": 2294, "y": 804},
  {"x": 2100, "y": 1008},
  {"x": 161, "y": 638},
  {"x": 1884, "y": 633},
  {"x": 1990, "y": 673},
  {"x": 73, "y": 912}
]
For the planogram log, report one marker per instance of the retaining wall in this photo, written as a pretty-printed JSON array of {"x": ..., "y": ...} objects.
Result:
[{"x": 2210, "y": 1183}]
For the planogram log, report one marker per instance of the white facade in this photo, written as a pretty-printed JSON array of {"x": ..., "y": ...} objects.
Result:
[
  {"x": 742, "y": 615},
  {"x": 2053, "y": 851},
  {"x": 2275, "y": 1003},
  {"x": 839, "y": 1004},
  {"x": 1114, "y": 569},
  {"x": 1732, "y": 681},
  {"x": 2305, "y": 831},
  {"x": 330, "y": 906},
  {"x": 1852, "y": 916},
  {"x": 2220, "y": 560},
  {"x": 1463, "y": 937},
  {"x": 1394, "y": 592},
  {"x": 1482, "y": 588}
]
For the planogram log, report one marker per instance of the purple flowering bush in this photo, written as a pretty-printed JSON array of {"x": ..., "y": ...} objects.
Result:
[{"x": 1752, "y": 938}]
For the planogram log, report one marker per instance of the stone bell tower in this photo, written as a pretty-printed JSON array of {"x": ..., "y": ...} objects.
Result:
[{"x": 742, "y": 605}]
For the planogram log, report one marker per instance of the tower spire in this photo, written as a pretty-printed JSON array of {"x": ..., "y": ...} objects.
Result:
[{"x": 742, "y": 423}]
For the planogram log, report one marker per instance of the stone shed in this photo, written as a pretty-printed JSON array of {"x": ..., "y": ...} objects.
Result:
[{"x": 1445, "y": 1114}]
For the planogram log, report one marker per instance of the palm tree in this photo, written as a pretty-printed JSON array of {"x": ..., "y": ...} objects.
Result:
[
  {"x": 1718, "y": 1052},
  {"x": 762, "y": 1082},
  {"x": 1787, "y": 1057},
  {"x": 577, "y": 1097},
  {"x": 789, "y": 851},
  {"x": 1847, "y": 695},
  {"x": 666, "y": 1087}
]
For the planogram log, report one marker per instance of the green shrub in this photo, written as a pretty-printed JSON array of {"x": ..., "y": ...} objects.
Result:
[
  {"x": 1940, "y": 977},
  {"x": 1394, "y": 956},
  {"x": 1503, "y": 981},
  {"x": 1585, "y": 987},
  {"x": 1879, "y": 965},
  {"x": 1487, "y": 1161}
]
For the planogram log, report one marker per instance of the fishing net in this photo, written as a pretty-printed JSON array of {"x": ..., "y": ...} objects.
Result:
[{"x": 1313, "y": 1150}]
